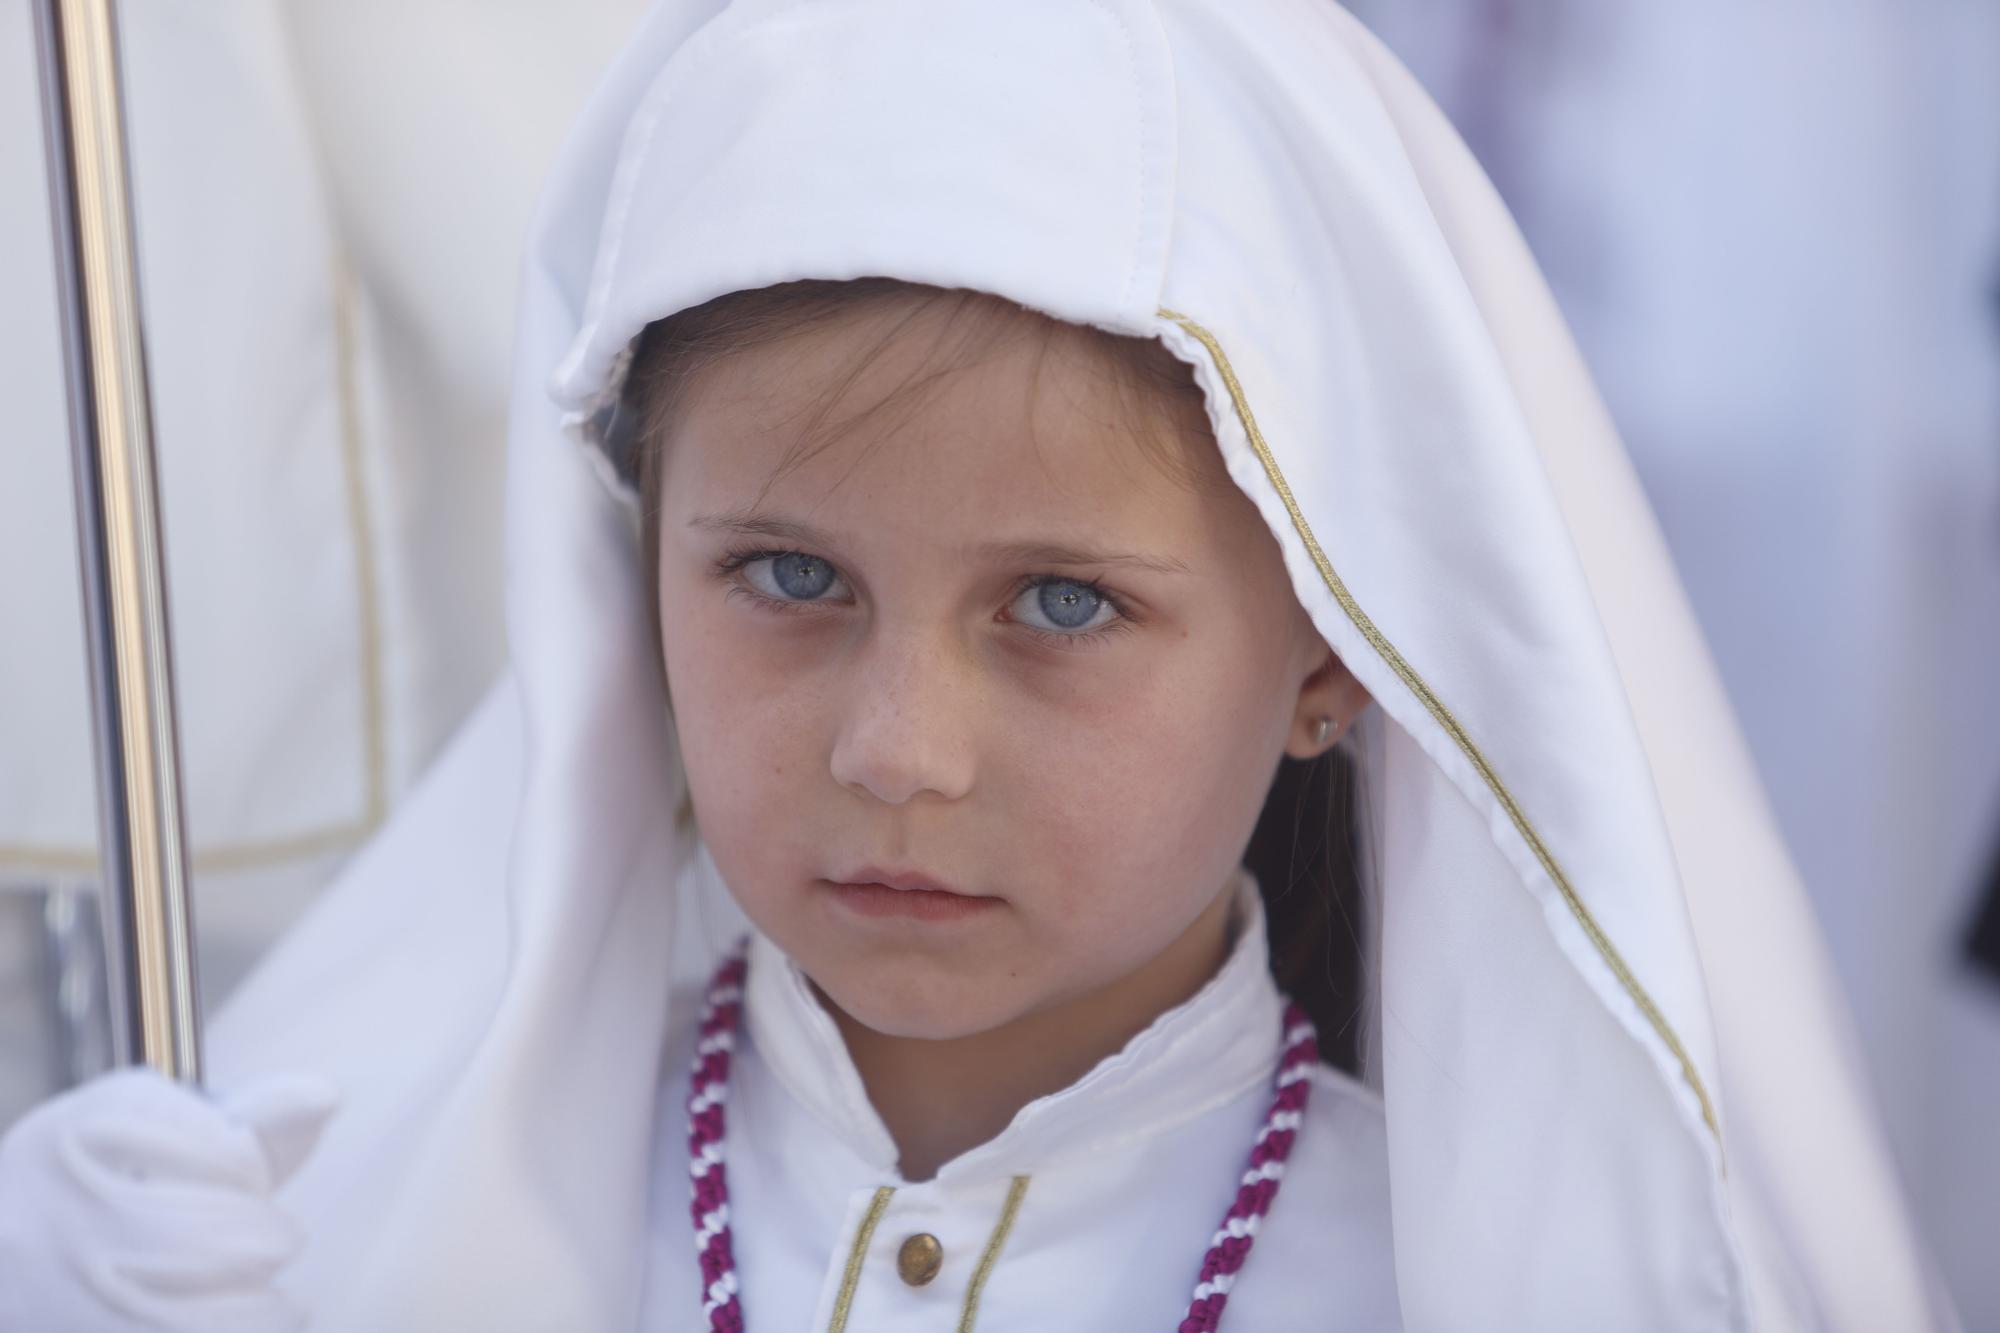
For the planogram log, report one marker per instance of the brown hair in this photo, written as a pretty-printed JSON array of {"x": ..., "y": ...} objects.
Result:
[{"x": 1303, "y": 851}]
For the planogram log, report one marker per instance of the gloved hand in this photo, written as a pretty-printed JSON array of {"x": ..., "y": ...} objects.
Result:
[{"x": 133, "y": 1202}]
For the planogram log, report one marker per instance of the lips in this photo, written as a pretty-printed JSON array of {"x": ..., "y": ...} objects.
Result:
[
  {"x": 873, "y": 891},
  {"x": 907, "y": 881}
]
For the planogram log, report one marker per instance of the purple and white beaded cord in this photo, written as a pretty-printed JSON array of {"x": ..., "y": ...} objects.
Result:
[
  {"x": 1268, "y": 1155},
  {"x": 708, "y": 1098}
]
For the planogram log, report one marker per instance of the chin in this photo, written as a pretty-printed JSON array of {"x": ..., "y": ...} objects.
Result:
[{"x": 919, "y": 1003}]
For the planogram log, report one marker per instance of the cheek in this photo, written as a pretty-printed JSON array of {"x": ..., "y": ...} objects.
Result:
[
  {"x": 746, "y": 736},
  {"x": 1137, "y": 792}
]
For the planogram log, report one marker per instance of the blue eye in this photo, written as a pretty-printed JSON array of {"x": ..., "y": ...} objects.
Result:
[
  {"x": 1064, "y": 606},
  {"x": 791, "y": 576}
]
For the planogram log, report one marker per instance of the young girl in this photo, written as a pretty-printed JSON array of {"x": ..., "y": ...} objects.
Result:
[{"x": 962, "y": 452}]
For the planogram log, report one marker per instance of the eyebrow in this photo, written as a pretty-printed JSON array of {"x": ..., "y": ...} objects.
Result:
[
  {"x": 1016, "y": 553},
  {"x": 1058, "y": 553}
]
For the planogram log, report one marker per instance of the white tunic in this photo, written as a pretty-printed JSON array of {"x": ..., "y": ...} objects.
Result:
[{"x": 1092, "y": 1210}]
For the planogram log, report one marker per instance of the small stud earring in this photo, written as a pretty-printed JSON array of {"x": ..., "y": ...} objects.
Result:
[{"x": 1321, "y": 730}]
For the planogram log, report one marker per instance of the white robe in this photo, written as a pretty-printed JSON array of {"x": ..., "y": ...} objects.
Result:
[{"x": 1605, "y": 1033}]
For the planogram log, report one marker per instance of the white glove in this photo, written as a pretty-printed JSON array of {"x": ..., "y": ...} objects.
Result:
[{"x": 133, "y": 1202}]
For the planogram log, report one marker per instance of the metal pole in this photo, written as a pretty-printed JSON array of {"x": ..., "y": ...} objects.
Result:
[{"x": 148, "y": 925}]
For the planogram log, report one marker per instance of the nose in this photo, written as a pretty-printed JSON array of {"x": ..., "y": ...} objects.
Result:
[{"x": 909, "y": 723}]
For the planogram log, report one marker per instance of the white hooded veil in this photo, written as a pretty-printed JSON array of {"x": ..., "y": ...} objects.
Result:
[{"x": 1616, "y": 1085}]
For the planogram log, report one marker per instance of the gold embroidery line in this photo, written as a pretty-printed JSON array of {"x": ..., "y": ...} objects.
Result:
[
  {"x": 373, "y": 712},
  {"x": 81, "y": 863},
  {"x": 852, "y": 1277},
  {"x": 258, "y": 853},
  {"x": 1015, "y": 1193},
  {"x": 1443, "y": 715}
]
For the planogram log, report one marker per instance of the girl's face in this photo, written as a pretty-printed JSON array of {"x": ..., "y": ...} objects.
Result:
[{"x": 978, "y": 639}]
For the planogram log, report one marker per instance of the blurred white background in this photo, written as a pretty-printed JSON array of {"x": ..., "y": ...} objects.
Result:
[{"x": 1775, "y": 228}]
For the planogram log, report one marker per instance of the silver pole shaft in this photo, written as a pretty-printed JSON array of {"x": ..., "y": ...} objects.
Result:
[{"x": 155, "y": 1011}]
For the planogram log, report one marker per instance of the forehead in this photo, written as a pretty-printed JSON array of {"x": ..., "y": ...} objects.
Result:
[{"x": 925, "y": 415}]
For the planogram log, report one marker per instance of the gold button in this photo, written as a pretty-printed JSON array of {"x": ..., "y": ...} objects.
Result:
[{"x": 919, "y": 1259}]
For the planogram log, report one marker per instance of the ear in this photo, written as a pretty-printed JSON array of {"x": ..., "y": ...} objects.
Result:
[{"x": 1330, "y": 695}]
